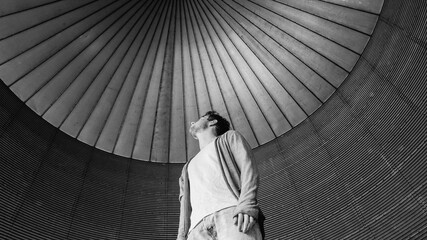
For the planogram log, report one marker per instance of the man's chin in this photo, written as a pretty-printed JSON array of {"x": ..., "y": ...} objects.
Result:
[{"x": 193, "y": 134}]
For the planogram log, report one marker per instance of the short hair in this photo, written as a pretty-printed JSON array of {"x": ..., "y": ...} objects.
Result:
[{"x": 222, "y": 125}]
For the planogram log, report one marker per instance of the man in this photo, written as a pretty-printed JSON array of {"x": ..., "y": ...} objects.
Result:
[{"x": 218, "y": 187}]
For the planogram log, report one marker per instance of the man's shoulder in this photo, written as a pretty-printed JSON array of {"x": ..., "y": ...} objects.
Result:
[
  {"x": 232, "y": 136},
  {"x": 227, "y": 135}
]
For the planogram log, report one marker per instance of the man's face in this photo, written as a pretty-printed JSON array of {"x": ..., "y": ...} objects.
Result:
[{"x": 199, "y": 126}]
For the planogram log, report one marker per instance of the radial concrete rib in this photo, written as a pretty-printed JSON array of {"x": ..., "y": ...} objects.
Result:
[{"x": 104, "y": 72}]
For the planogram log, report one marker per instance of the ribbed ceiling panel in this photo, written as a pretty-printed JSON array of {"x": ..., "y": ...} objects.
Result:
[{"x": 127, "y": 76}]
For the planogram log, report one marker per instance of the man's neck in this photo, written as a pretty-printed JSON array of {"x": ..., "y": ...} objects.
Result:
[{"x": 205, "y": 138}]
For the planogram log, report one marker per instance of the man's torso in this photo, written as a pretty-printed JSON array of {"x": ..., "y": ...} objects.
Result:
[{"x": 208, "y": 190}]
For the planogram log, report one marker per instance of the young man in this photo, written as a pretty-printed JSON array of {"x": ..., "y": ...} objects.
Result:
[{"x": 218, "y": 187}]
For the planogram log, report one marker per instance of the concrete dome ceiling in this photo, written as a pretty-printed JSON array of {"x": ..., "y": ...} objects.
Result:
[{"x": 127, "y": 76}]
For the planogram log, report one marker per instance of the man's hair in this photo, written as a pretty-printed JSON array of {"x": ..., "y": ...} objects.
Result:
[{"x": 221, "y": 126}]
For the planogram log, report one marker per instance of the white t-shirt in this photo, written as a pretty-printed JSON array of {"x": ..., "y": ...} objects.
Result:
[{"x": 208, "y": 191}]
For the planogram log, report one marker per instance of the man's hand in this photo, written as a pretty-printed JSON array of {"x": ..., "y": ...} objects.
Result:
[{"x": 244, "y": 222}]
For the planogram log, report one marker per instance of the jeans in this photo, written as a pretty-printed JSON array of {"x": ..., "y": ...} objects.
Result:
[{"x": 220, "y": 226}]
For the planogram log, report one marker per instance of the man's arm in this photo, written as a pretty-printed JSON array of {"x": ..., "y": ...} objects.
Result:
[
  {"x": 247, "y": 209},
  {"x": 182, "y": 229}
]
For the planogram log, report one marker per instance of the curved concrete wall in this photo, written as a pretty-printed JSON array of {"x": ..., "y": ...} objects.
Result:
[
  {"x": 355, "y": 169},
  {"x": 127, "y": 76}
]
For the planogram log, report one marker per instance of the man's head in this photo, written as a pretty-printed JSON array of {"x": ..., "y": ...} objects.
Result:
[{"x": 212, "y": 120}]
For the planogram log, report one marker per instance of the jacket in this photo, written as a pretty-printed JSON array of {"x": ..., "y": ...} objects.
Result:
[{"x": 240, "y": 174}]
